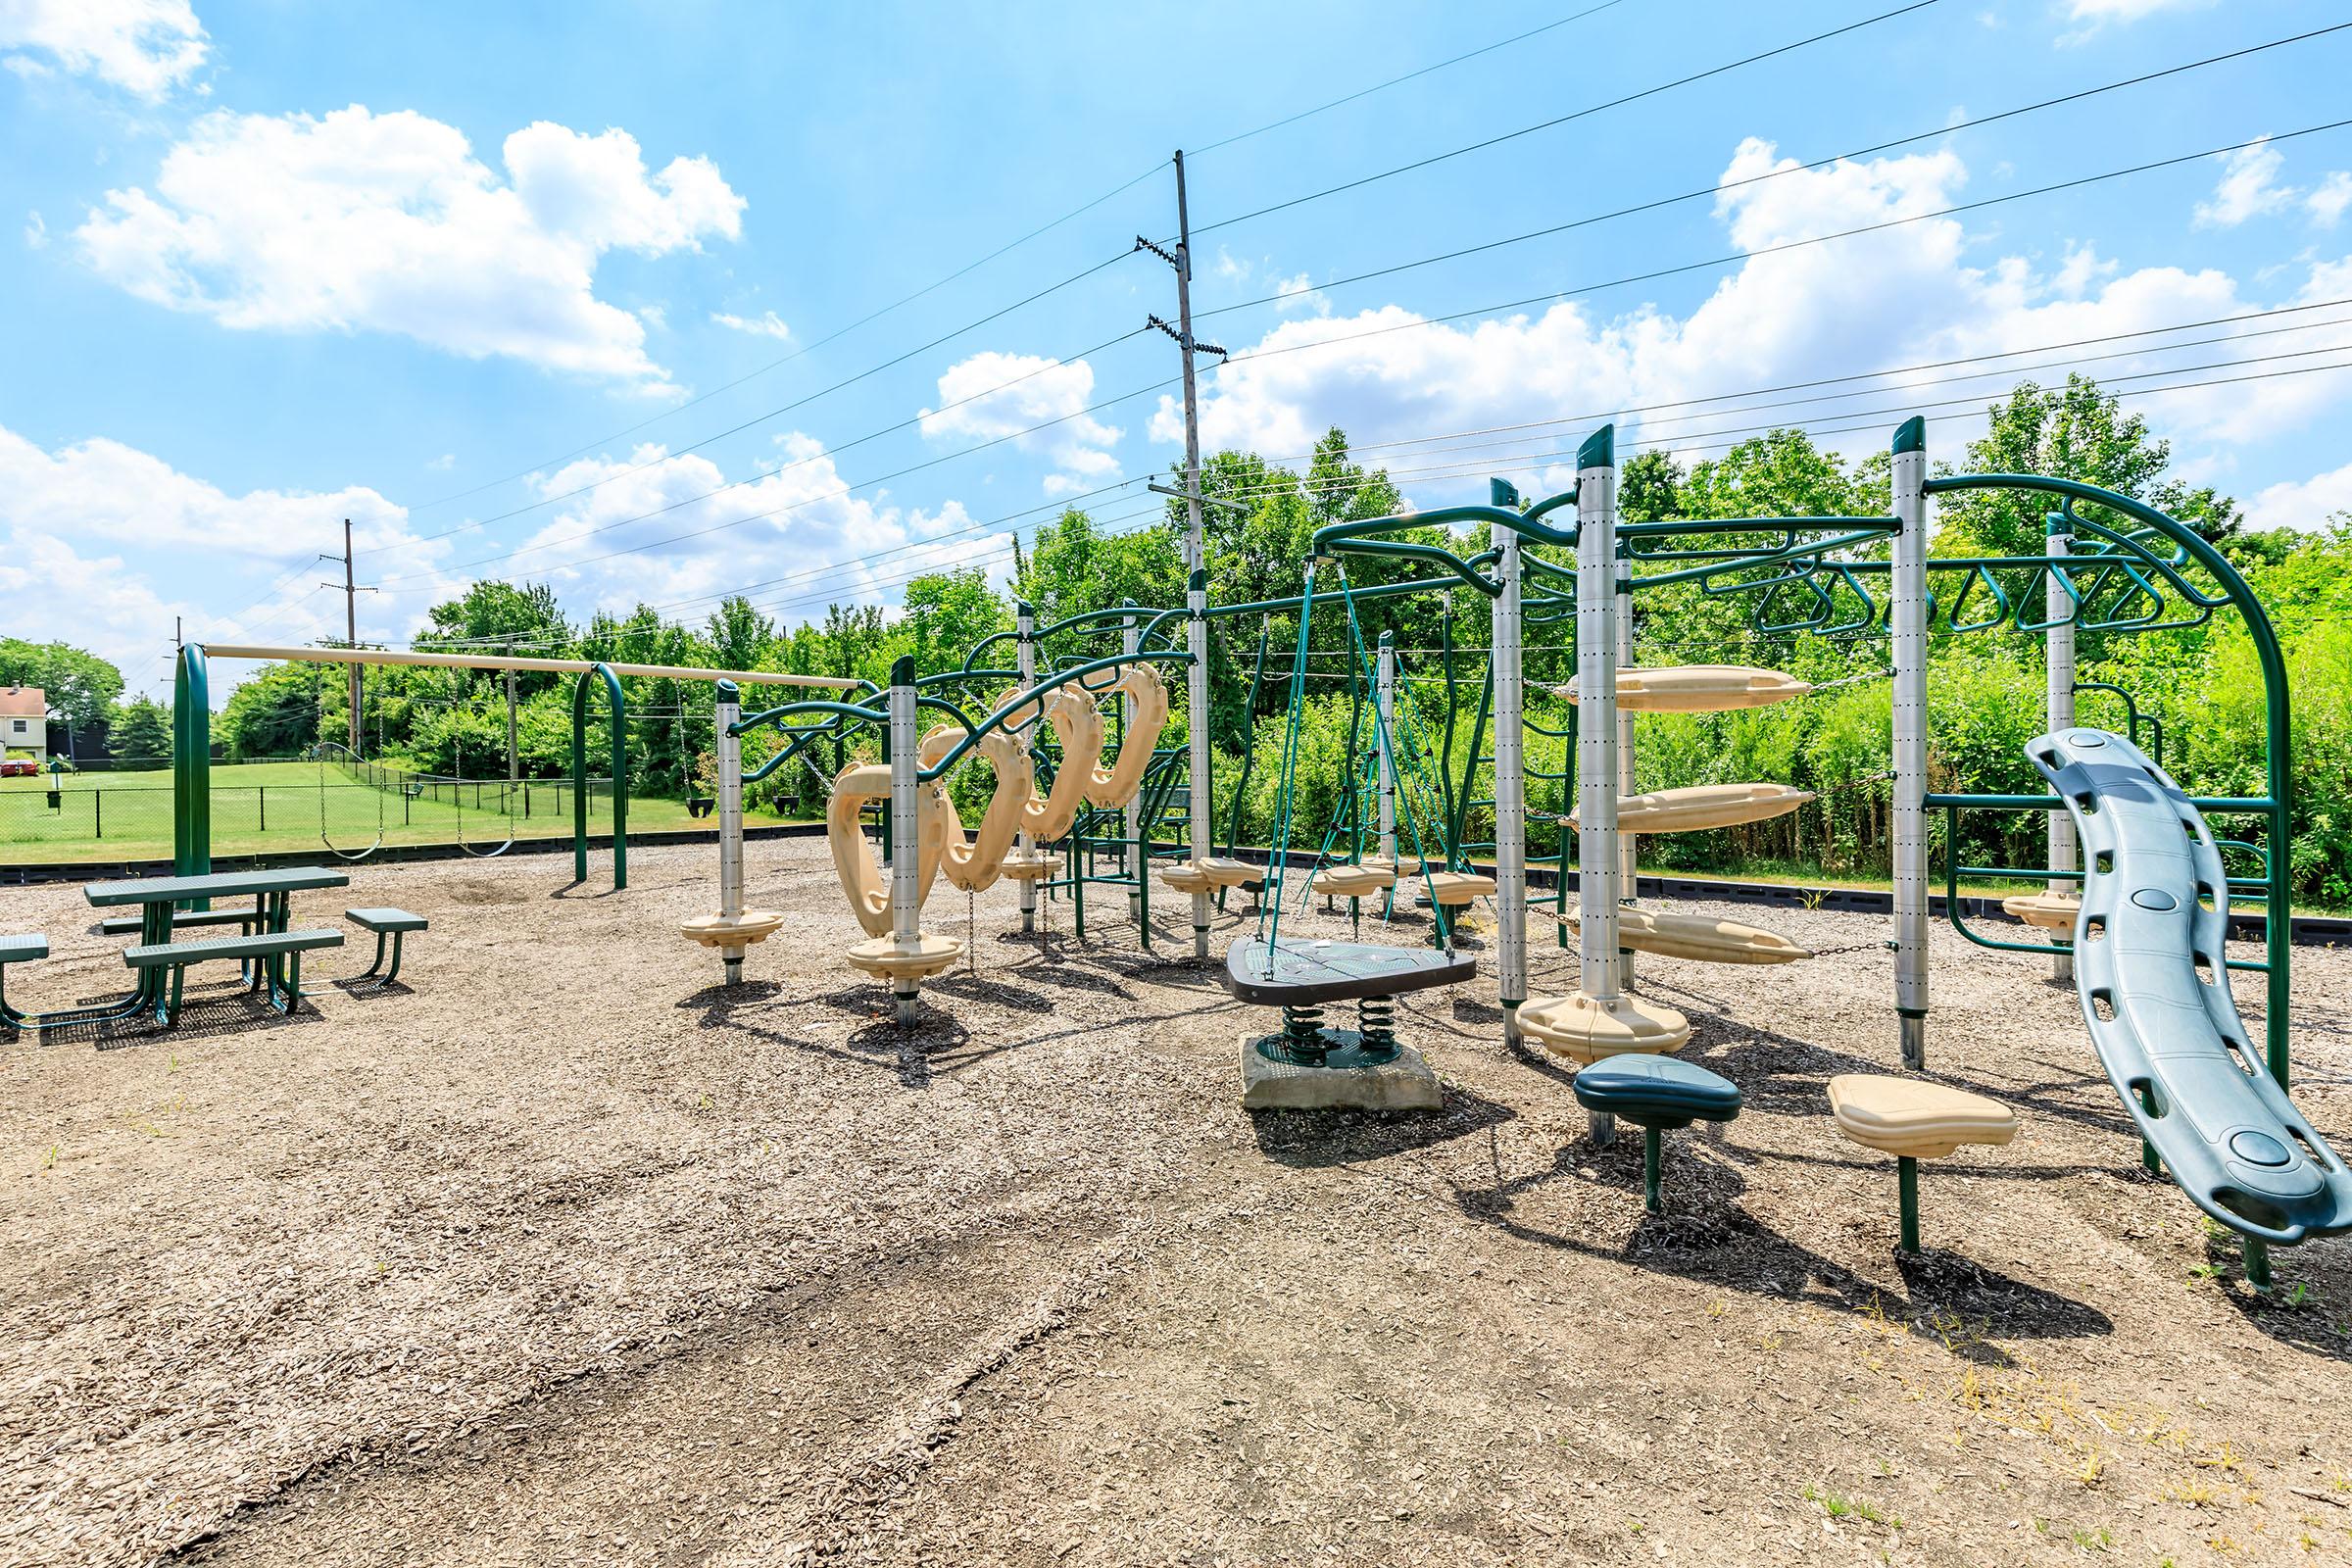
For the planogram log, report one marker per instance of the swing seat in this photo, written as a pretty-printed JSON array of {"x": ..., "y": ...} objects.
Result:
[
  {"x": 1704, "y": 806},
  {"x": 1298, "y": 973},
  {"x": 1351, "y": 881},
  {"x": 1452, "y": 889}
]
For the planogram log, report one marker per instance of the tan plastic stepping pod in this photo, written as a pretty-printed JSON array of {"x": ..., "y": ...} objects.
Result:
[
  {"x": 1455, "y": 888},
  {"x": 1913, "y": 1120},
  {"x": 1700, "y": 688},
  {"x": 1206, "y": 876},
  {"x": 860, "y": 878},
  {"x": 1351, "y": 881},
  {"x": 885, "y": 960},
  {"x": 1704, "y": 806},
  {"x": 2051, "y": 912},
  {"x": 1698, "y": 937},
  {"x": 1118, "y": 785},
  {"x": 1584, "y": 1030},
  {"x": 974, "y": 863}
]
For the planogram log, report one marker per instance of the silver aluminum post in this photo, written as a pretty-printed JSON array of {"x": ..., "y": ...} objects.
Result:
[
  {"x": 1596, "y": 858},
  {"x": 1383, "y": 697},
  {"x": 1024, "y": 625},
  {"x": 1910, "y": 622},
  {"x": 1510, "y": 781},
  {"x": 2058, "y": 609},
  {"x": 1197, "y": 810},
  {"x": 905, "y": 829},
  {"x": 1629, "y": 884},
  {"x": 730, "y": 817}
]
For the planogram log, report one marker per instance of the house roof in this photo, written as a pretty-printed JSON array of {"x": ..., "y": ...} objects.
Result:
[{"x": 23, "y": 702}]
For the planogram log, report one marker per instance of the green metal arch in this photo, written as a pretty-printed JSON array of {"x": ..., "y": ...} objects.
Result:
[{"x": 618, "y": 707}]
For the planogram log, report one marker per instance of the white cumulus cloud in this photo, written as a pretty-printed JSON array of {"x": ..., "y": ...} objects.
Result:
[
  {"x": 765, "y": 324},
  {"x": 152, "y": 524},
  {"x": 2330, "y": 198},
  {"x": 145, "y": 47},
  {"x": 1924, "y": 292},
  {"x": 2248, "y": 188},
  {"x": 2303, "y": 502},
  {"x": 2090, "y": 16},
  {"x": 991, "y": 396},
  {"x": 360, "y": 222}
]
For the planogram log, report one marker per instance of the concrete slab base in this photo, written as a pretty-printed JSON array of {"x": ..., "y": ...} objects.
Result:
[{"x": 1404, "y": 1084}]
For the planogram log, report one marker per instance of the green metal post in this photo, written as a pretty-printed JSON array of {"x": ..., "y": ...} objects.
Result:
[
  {"x": 1652, "y": 1156},
  {"x": 191, "y": 766},
  {"x": 618, "y": 706},
  {"x": 2258, "y": 1264},
  {"x": 1906, "y": 1179}
]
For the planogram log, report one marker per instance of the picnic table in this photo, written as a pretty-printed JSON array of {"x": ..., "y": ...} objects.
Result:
[{"x": 159, "y": 897}]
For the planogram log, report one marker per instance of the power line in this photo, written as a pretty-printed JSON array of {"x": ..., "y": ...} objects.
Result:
[
  {"x": 1562, "y": 120},
  {"x": 1718, "y": 188},
  {"x": 1411, "y": 76}
]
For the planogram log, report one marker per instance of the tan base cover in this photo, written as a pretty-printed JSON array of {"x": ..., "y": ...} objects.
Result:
[
  {"x": 2053, "y": 912},
  {"x": 1351, "y": 881},
  {"x": 860, "y": 878},
  {"x": 1698, "y": 937},
  {"x": 738, "y": 931},
  {"x": 885, "y": 960},
  {"x": 1913, "y": 1119},
  {"x": 1459, "y": 886},
  {"x": 1702, "y": 806},
  {"x": 1584, "y": 1031},
  {"x": 1033, "y": 866},
  {"x": 1700, "y": 688}
]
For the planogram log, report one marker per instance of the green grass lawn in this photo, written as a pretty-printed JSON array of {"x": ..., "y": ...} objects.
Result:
[{"x": 288, "y": 808}]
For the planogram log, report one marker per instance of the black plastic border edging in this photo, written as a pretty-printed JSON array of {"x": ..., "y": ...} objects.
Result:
[
  {"x": 2307, "y": 930},
  {"x": 107, "y": 870}
]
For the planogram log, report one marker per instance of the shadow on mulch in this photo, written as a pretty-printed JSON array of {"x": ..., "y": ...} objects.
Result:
[
  {"x": 1708, "y": 1236},
  {"x": 236, "y": 1011},
  {"x": 2311, "y": 1322},
  {"x": 1318, "y": 1140}
]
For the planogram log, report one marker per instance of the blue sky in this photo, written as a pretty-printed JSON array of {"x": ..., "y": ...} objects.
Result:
[{"x": 479, "y": 277}]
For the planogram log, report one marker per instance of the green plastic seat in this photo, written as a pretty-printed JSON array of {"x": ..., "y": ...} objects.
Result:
[
  {"x": 1658, "y": 1094},
  {"x": 386, "y": 919}
]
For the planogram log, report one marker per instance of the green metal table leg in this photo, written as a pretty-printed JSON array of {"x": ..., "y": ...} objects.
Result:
[
  {"x": 1653, "y": 1153},
  {"x": 1906, "y": 1178},
  {"x": 392, "y": 973}
]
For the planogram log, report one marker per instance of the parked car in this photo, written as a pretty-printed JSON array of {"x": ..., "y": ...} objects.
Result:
[{"x": 19, "y": 767}]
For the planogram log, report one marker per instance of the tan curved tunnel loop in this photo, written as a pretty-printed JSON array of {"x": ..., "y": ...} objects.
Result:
[
  {"x": 1116, "y": 786},
  {"x": 974, "y": 863},
  {"x": 860, "y": 878},
  {"x": 1078, "y": 726}
]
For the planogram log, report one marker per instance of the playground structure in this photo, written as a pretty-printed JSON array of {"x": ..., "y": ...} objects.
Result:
[
  {"x": 1062, "y": 819},
  {"x": 2113, "y": 566}
]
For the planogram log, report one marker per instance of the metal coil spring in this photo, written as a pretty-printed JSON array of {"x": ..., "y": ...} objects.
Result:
[
  {"x": 1376, "y": 1023},
  {"x": 1302, "y": 1029}
]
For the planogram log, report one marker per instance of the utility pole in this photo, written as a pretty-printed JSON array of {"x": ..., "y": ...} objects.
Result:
[
  {"x": 1196, "y": 553},
  {"x": 351, "y": 629}
]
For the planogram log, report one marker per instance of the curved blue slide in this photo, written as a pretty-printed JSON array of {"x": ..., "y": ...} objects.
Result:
[{"x": 2148, "y": 966}]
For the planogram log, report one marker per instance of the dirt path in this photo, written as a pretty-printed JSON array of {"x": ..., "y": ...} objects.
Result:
[{"x": 567, "y": 1255}]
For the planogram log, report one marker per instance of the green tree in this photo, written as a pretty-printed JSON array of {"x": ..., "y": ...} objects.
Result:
[
  {"x": 141, "y": 732},
  {"x": 276, "y": 712},
  {"x": 81, "y": 688}
]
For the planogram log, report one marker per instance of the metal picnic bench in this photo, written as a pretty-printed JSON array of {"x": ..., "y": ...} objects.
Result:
[{"x": 271, "y": 953}]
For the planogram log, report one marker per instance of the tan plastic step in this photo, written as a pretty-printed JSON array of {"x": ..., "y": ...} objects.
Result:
[
  {"x": 2051, "y": 912},
  {"x": 735, "y": 931},
  {"x": 1698, "y": 937},
  {"x": 1033, "y": 866},
  {"x": 1700, "y": 688},
  {"x": 1704, "y": 806},
  {"x": 1915, "y": 1119}
]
